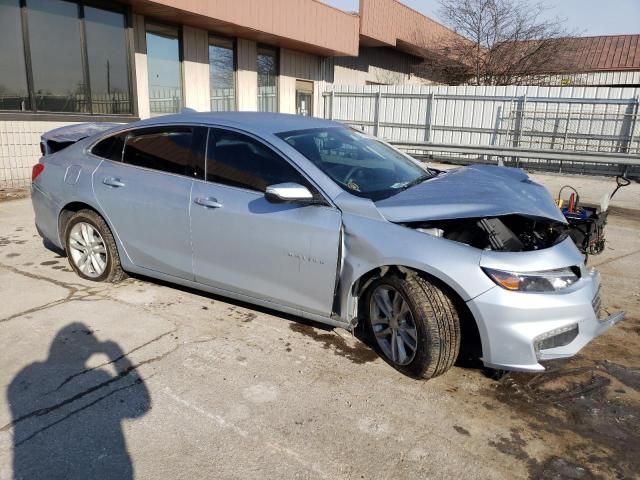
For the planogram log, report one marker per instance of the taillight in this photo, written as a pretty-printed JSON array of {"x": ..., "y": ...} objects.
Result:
[{"x": 38, "y": 168}]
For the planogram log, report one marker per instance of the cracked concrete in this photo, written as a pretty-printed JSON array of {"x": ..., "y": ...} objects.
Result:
[{"x": 146, "y": 380}]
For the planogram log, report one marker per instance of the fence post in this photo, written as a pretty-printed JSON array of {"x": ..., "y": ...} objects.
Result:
[
  {"x": 430, "y": 106},
  {"x": 331, "y": 99},
  {"x": 377, "y": 114},
  {"x": 517, "y": 128},
  {"x": 634, "y": 122}
]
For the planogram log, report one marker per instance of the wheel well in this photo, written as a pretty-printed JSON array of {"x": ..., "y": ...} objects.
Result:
[
  {"x": 471, "y": 346},
  {"x": 67, "y": 212}
]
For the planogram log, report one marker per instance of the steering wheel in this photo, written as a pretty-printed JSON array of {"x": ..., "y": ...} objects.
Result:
[{"x": 350, "y": 173}]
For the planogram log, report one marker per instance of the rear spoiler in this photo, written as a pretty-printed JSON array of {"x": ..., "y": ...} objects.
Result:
[{"x": 60, "y": 138}]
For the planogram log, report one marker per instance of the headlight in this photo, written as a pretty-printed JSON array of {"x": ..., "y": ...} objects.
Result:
[{"x": 543, "y": 281}]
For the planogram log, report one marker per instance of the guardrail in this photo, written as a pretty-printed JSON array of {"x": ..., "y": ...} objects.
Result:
[{"x": 544, "y": 154}]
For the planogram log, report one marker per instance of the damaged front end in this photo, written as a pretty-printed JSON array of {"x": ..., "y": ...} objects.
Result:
[
  {"x": 545, "y": 304},
  {"x": 509, "y": 233},
  {"x": 486, "y": 207}
]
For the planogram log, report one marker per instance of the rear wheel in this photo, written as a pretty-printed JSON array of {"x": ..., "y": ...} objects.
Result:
[
  {"x": 91, "y": 248},
  {"x": 414, "y": 323}
]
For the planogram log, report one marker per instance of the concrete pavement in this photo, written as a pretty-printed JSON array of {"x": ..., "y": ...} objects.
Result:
[{"x": 147, "y": 380}]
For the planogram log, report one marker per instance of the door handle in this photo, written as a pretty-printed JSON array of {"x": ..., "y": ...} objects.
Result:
[
  {"x": 208, "y": 202},
  {"x": 113, "y": 182}
]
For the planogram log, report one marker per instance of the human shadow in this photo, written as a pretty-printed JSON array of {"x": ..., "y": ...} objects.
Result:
[{"x": 67, "y": 417}]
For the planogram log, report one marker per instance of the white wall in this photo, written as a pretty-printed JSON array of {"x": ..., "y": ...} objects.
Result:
[
  {"x": 20, "y": 149},
  {"x": 299, "y": 66},
  {"x": 195, "y": 68},
  {"x": 141, "y": 88},
  {"x": 377, "y": 65},
  {"x": 631, "y": 78},
  {"x": 247, "y": 77}
]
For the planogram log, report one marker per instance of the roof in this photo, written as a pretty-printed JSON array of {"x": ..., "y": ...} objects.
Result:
[
  {"x": 305, "y": 25},
  {"x": 255, "y": 122},
  {"x": 598, "y": 54},
  {"x": 394, "y": 24},
  {"x": 616, "y": 52}
]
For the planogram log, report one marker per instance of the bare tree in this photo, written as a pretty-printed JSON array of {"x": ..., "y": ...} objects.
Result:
[{"x": 503, "y": 42}]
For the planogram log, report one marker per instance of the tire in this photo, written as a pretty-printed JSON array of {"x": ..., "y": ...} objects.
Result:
[
  {"x": 430, "y": 314},
  {"x": 106, "y": 256}
]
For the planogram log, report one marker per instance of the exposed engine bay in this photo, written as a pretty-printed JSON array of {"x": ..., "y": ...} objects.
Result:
[{"x": 508, "y": 233}]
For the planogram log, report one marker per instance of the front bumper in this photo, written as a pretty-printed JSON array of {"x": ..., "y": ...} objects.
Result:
[{"x": 512, "y": 323}]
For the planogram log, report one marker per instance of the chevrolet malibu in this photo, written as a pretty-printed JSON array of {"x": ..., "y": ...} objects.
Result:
[{"x": 310, "y": 217}]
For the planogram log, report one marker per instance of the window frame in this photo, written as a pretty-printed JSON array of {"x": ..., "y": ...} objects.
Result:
[
  {"x": 33, "y": 112},
  {"x": 129, "y": 132},
  {"x": 325, "y": 200},
  {"x": 276, "y": 55},
  {"x": 179, "y": 33},
  {"x": 211, "y": 38}
]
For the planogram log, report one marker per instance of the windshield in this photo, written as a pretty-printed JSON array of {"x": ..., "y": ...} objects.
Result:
[{"x": 360, "y": 164}]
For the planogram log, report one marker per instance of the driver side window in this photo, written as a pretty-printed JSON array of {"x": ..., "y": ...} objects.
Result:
[{"x": 238, "y": 160}]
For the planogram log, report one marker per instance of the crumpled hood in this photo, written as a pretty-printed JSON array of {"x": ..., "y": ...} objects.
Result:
[
  {"x": 76, "y": 132},
  {"x": 469, "y": 192}
]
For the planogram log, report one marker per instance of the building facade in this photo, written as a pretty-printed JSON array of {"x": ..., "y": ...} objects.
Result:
[{"x": 67, "y": 61}]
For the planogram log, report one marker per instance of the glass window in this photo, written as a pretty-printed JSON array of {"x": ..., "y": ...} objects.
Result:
[
  {"x": 222, "y": 76},
  {"x": 165, "y": 74},
  {"x": 108, "y": 65},
  {"x": 13, "y": 81},
  {"x": 360, "y": 164},
  {"x": 111, "y": 147},
  {"x": 267, "y": 80},
  {"x": 240, "y": 161},
  {"x": 168, "y": 149},
  {"x": 56, "y": 56}
]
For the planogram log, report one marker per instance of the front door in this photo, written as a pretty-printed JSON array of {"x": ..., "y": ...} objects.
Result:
[
  {"x": 280, "y": 252},
  {"x": 146, "y": 197},
  {"x": 304, "y": 98}
]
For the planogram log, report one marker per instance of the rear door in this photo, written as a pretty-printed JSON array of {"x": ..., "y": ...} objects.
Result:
[
  {"x": 146, "y": 195},
  {"x": 286, "y": 253}
]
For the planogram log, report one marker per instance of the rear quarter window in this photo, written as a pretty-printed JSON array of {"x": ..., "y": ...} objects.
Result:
[{"x": 110, "y": 148}]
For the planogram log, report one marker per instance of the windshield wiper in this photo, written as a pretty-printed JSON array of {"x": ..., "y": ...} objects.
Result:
[{"x": 416, "y": 181}]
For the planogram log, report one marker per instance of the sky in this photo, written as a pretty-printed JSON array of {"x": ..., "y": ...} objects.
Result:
[{"x": 586, "y": 17}]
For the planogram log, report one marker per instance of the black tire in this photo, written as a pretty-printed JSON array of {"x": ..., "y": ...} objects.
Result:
[
  {"x": 113, "y": 272},
  {"x": 435, "y": 318}
]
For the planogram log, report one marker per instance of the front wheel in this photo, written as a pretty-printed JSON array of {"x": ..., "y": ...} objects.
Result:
[
  {"x": 91, "y": 248},
  {"x": 414, "y": 323}
]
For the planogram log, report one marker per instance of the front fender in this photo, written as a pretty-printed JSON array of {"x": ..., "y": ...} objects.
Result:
[{"x": 371, "y": 243}]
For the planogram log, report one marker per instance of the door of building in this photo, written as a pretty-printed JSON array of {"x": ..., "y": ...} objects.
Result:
[{"x": 304, "y": 98}]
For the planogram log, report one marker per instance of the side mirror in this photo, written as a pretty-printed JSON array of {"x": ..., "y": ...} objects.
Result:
[{"x": 288, "y": 192}]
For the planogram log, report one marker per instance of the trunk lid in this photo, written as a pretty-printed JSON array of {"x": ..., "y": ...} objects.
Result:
[{"x": 60, "y": 138}]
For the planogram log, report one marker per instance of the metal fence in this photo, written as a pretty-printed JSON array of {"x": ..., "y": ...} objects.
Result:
[
  {"x": 554, "y": 119},
  {"x": 164, "y": 100},
  {"x": 114, "y": 103},
  {"x": 223, "y": 99}
]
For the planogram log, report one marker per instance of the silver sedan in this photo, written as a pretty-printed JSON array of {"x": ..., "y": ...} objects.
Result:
[{"x": 310, "y": 217}]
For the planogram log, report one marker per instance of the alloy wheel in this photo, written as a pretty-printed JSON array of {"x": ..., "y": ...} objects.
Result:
[
  {"x": 88, "y": 250},
  {"x": 393, "y": 325}
]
